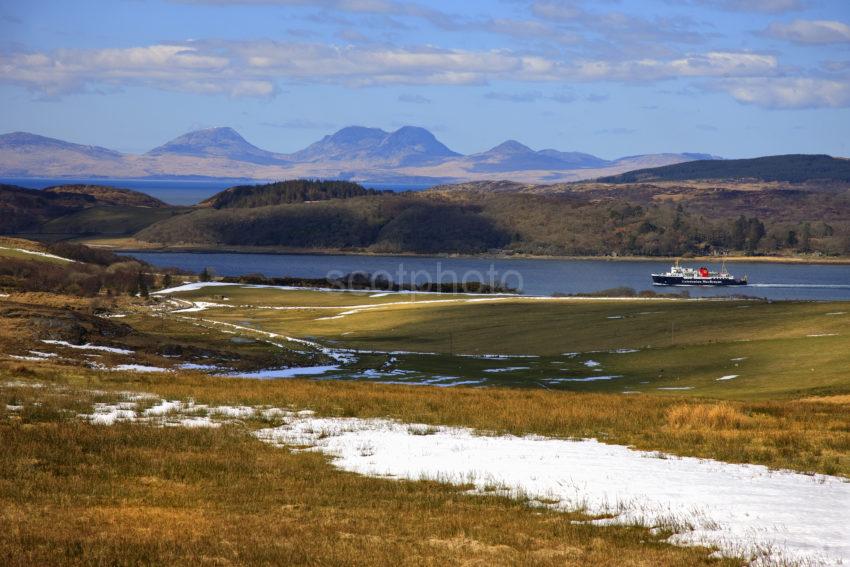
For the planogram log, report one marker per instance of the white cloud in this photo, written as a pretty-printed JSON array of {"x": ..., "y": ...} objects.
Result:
[
  {"x": 785, "y": 92},
  {"x": 810, "y": 31},
  {"x": 763, "y": 6},
  {"x": 711, "y": 64},
  {"x": 257, "y": 68}
]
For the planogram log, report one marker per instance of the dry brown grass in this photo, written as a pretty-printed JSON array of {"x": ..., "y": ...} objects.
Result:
[
  {"x": 77, "y": 494},
  {"x": 722, "y": 415}
]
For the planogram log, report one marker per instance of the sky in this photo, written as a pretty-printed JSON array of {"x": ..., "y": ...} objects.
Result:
[{"x": 734, "y": 78}]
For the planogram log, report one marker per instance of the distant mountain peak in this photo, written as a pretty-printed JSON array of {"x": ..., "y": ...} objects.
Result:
[
  {"x": 223, "y": 142},
  {"x": 19, "y": 140},
  {"x": 511, "y": 146},
  {"x": 409, "y": 145}
]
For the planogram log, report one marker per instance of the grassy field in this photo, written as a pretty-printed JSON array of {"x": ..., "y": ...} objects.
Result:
[
  {"x": 771, "y": 349},
  {"x": 75, "y": 493}
]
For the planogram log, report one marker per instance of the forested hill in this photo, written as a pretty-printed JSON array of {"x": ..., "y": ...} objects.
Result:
[
  {"x": 794, "y": 168},
  {"x": 285, "y": 192},
  {"x": 107, "y": 195}
]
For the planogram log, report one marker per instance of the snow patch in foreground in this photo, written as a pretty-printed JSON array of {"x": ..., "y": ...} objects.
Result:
[{"x": 742, "y": 509}]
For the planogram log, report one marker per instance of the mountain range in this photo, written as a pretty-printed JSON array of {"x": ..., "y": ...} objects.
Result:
[{"x": 409, "y": 155}]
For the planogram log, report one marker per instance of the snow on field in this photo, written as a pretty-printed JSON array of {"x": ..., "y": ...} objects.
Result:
[
  {"x": 585, "y": 379},
  {"x": 284, "y": 372},
  {"x": 507, "y": 369},
  {"x": 138, "y": 368},
  {"x": 728, "y": 377},
  {"x": 201, "y": 306},
  {"x": 27, "y": 358},
  {"x": 739, "y": 508},
  {"x": 189, "y": 287},
  {"x": 88, "y": 346},
  {"x": 196, "y": 366},
  {"x": 36, "y": 253}
]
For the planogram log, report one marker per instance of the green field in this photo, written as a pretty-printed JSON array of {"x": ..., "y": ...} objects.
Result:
[{"x": 637, "y": 345}]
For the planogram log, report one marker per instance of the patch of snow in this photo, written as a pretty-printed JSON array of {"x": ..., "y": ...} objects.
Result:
[
  {"x": 624, "y": 350},
  {"x": 507, "y": 369},
  {"x": 837, "y": 313},
  {"x": 738, "y": 359},
  {"x": 138, "y": 368},
  {"x": 27, "y": 358},
  {"x": 675, "y": 388},
  {"x": 587, "y": 379},
  {"x": 163, "y": 407},
  {"x": 36, "y": 253},
  {"x": 201, "y": 306},
  {"x": 273, "y": 373},
  {"x": 379, "y": 294},
  {"x": 733, "y": 506},
  {"x": 189, "y": 287},
  {"x": 453, "y": 384},
  {"x": 194, "y": 422},
  {"x": 233, "y": 411},
  {"x": 591, "y": 363},
  {"x": 108, "y": 414},
  {"x": 614, "y": 317},
  {"x": 43, "y": 354},
  {"x": 728, "y": 377},
  {"x": 89, "y": 346},
  {"x": 498, "y": 356},
  {"x": 13, "y": 408},
  {"x": 194, "y": 366},
  {"x": 824, "y": 335}
]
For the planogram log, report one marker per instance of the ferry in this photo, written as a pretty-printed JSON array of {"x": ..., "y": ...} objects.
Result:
[{"x": 699, "y": 276}]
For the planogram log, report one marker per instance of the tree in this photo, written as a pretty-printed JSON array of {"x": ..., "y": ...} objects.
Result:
[
  {"x": 791, "y": 238},
  {"x": 205, "y": 275},
  {"x": 755, "y": 232},
  {"x": 806, "y": 238},
  {"x": 142, "y": 284},
  {"x": 167, "y": 280},
  {"x": 739, "y": 233}
]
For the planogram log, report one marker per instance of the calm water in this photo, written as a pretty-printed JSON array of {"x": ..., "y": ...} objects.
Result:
[
  {"x": 172, "y": 191},
  {"x": 534, "y": 277}
]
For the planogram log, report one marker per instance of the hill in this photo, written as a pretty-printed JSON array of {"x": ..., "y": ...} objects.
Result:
[
  {"x": 283, "y": 192},
  {"x": 794, "y": 168},
  {"x": 408, "y": 145},
  {"x": 74, "y": 210},
  {"x": 559, "y": 220},
  {"x": 107, "y": 195},
  {"x": 513, "y": 156},
  {"x": 216, "y": 143}
]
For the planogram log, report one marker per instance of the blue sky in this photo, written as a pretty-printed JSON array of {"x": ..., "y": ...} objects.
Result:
[{"x": 736, "y": 78}]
